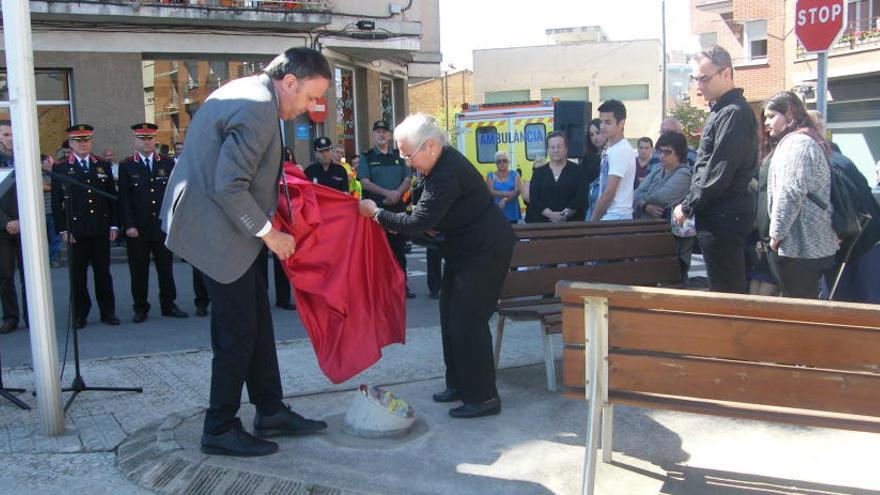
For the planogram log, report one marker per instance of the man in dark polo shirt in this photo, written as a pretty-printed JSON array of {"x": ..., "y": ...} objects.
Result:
[
  {"x": 323, "y": 171},
  {"x": 385, "y": 178}
]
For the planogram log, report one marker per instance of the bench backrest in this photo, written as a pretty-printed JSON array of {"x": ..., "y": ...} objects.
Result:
[
  {"x": 802, "y": 361},
  {"x": 636, "y": 252}
]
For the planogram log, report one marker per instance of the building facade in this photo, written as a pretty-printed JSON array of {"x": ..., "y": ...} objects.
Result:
[
  {"x": 582, "y": 65},
  {"x": 113, "y": 64},
  {"x": 442, "y": 96},
  {"x": 768, "y": 58}
]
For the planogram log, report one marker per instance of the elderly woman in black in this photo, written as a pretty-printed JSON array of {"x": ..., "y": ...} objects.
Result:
[
  {"x": 558, "y": 190},
  {"x": 453, "y": 205}
]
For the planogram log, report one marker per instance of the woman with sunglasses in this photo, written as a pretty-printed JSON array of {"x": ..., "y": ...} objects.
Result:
[
  {"x": 453, "y": 205},
  {"x": 505, "y": 185}
]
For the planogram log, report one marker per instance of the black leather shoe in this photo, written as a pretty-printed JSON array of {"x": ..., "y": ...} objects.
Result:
[
  {"x": 237, "y": 442},
  {"x": 478, "y": 410},
  {"x": 434, "y": 295},
  {"x": 201, "y": 311},
  {"x": 8, "y": 326},
  {"x": 111, "y": 319},
  {"x": 139, "y": 317},
  {"x": 410, "y": 294},
  {"x": 288, "y": 306},
  {"x": 286, "y": 422},
  {"x": 81, "y": 323},
  {"x": 175, "y": 312},
  {"x": 448, "y": 395}
]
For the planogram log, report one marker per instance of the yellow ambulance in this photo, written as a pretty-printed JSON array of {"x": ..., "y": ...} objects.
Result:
[{"x": 519, "y": 128}]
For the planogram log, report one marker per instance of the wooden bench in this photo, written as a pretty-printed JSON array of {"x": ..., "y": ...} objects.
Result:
[
  {"x": 639, "y": 252},
  {"x": 798, "y": 361}
]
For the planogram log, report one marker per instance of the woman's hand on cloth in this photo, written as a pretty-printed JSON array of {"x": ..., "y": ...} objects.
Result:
[{"x": 367, "y": 207}]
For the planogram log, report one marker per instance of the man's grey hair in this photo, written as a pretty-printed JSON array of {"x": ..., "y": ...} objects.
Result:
[
  {"x": 418, "y": 128},
  {"x": 670, "y": 124},
  {"x": 718, "y": 56}
]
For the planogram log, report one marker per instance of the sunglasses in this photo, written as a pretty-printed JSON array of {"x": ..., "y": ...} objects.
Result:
[
  {"x": 666, "y": 151},
  {"x": 704, "y": 78}
]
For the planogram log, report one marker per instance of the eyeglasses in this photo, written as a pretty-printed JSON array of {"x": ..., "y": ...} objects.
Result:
[
  {"x": 666, "y": 151},
  {"x": 704, "y": 79},
  {"x": 502, "y": 160},
  {"x": 414, "y": 153}
]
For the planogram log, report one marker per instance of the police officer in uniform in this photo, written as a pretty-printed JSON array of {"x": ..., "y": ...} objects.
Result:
[
  {"x": 385, "y": 178},
  {"x": 93, "y": 223},
  {"x": 142, "y": 180},
  {"x": 323, "y": 171}
]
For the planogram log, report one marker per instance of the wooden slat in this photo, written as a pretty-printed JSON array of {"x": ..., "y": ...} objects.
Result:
[
  {"x": 749, "y": 339},
  {"x": 761, "y": 307},
  {"x": 573, "y": 368},
  {"x": 593, "y": 248},
  {"x": 561, "y": 231},
  {"x": 573, "y": 323},
  {"x": 739, "y": 410},
  {"x": 532, "y": 311},
  {"x": 647, "y": 271},
  {"x": 752, "y": 383},
  {"x": 590, "y": 226}
]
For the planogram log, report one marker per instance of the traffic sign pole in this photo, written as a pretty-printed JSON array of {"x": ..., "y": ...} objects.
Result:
[{"x": 822, "y": 85}]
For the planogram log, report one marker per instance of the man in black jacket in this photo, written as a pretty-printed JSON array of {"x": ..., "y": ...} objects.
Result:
[
  {"x": 719, "y": 197},
  {"x": 10, "y": 240},
  {"x": 93, "y": 223},
  {"x": 142, "y": 180}
]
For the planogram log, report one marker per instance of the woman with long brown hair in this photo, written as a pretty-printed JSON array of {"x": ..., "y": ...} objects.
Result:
[{"x": 802, "y": 240}]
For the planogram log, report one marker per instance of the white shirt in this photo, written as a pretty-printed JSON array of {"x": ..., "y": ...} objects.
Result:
[{"x": 621, "y": 163}]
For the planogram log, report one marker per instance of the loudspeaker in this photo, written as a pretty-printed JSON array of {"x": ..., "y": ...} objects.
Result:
[{"x": 572, "y": 117}]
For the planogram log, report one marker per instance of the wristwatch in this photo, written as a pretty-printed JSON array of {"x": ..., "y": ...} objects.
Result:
[{"x": 376, "y": 214}]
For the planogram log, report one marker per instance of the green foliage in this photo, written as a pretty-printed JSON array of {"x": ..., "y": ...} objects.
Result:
[
  {"x": 440, "y": 117},
  {"x": 692, "y": 120}
]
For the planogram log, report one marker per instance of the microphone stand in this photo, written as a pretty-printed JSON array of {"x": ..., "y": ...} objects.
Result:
[{"x": 78, "y": 385}]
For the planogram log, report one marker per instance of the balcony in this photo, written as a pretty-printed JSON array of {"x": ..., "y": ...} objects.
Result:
[
  {"x": 278, "y": 15},
  {"x": 716, "y": 6},
  {"x": 861, "y": 35}
]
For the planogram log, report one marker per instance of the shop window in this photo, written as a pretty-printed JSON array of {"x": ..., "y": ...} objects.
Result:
[
  {"x": 53, "y": 106},
  {"x": 386, "y": 87},
  {"x": 345, "y": 111}
]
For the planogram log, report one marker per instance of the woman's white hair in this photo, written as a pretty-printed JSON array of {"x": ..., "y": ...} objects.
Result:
[
  {"x": 501, "y": 154},
  {"x": 418, "y": 128}
]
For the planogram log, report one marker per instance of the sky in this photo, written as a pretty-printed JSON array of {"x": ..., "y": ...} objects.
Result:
[{"x": 466, "y": 25}]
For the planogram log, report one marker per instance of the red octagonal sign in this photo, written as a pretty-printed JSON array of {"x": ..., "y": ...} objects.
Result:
[{"x": 818, "y": 23}]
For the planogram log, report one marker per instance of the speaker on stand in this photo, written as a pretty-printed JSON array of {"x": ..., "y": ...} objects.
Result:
[{"x": 571, "y": 118}]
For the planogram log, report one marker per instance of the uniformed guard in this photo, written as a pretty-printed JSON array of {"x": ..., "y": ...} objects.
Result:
[
  {"x": 354, "y": 185},
  {"x": 92, "y": 223},
  {"x": 323, "y": 171},
  {"x": 385, "y": 179},
  {"x": 142, "y": 180}
]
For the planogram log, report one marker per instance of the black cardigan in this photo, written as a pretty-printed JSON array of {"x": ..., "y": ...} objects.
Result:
[{"x": 570, "y": 191}]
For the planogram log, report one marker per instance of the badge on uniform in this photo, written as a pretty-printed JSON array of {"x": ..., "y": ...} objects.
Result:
[
  {"x": 161, "y": 172},
  {"x": 99, "y": 170}
]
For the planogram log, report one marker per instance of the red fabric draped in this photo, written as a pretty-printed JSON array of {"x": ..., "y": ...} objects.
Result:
[{"x": 350, "y": 291}]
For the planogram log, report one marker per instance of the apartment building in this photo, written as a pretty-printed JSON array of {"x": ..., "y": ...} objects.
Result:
[
  {"x": 112, "y": 63},
  {"x": 582, "y": 64},
  {"x": 768, "y": 58}
]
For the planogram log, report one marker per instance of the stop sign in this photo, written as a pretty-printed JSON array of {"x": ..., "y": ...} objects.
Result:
[{"x": 818, "y": 23}]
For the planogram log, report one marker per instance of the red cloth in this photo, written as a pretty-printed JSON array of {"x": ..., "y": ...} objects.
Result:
[{"x": 350, "y": 291}]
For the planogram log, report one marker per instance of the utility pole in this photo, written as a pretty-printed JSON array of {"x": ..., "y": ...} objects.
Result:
[{"x": 663, "y": 90}]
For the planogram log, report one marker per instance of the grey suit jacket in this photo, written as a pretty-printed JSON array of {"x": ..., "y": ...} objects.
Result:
[{"x": 225, "y": 187}]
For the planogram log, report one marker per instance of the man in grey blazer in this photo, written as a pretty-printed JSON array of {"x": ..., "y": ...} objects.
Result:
[{"x": 216, "y": 211}]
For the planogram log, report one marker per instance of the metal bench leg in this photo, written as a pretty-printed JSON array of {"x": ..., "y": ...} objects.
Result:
[
  {"x": 549, "y": 361},
  {"x": 499, "y": 332},
  {"x": 607, "y": 432}
]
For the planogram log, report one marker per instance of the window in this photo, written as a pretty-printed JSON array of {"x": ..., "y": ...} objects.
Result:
[
  {"x": 386, "y": 88},
  {"x": 507, "y": 97},
  {"x": 345, "y": 115},
  {"x": 54, "y": 107},
  {"x": 755, "y": 42},
  {"x": 175, "y": 89},
  {"x": 708, "y": 39},
  {"x": 572, "y": 94},
  {"x": 487, "y": 144},
  {"x": 625, "y": 92},
  {"x": 536, "y": 137}
]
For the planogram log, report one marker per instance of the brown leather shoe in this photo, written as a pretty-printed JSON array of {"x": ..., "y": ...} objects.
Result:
[{"x": 8, "y": 326}]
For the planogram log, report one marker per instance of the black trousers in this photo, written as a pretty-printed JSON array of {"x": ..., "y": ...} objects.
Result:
[
  {"x": 725, "y": 258},
  {"x": 282, "y": 284},
  {"x": 435, "y": 273},
  {"x": 799, "y": 277},
  {"x": 94, "y": 251},
  {"x": 467, "y": 301},
  {"x": 243, "y": 342},
  {"x": 139, "y": 252},
  {"x": 398, "y": 247},
  {"x": 201, "y": 300},
  {"x": 10, "y": 258}
]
